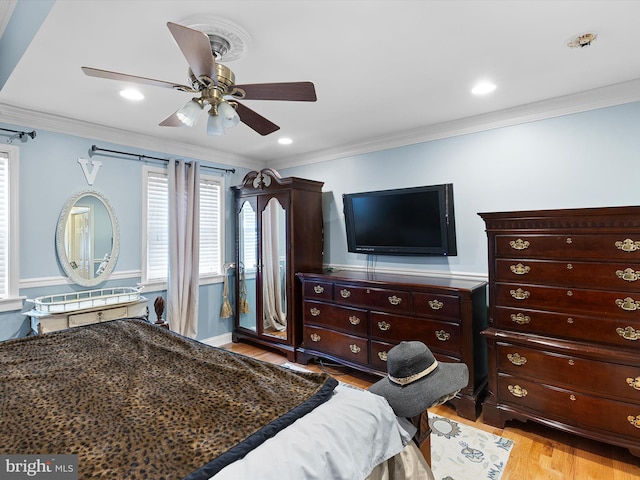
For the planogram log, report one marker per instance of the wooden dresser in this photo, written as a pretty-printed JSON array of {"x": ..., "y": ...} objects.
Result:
[
  {"x": 564, "y": 321},
  {"x": 355, "y": 318}
]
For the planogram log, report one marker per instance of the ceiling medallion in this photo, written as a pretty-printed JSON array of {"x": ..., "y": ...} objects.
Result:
[
  {"x": 581, "y": 41},
  {"x": 228, "y": 40}
]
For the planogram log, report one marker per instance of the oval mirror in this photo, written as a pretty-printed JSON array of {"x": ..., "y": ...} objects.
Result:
[{"x": 88, "y": 238}]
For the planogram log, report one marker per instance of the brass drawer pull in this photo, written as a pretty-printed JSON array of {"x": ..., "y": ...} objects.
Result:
[
  {"x": 628, "y": 274},
  {"x": 520, "y": 269},
  {"x": 517, "y": 391},
  {"x": 520, "y": 294},
  {"x": 442, "y": 335},
  {"x": 344, "y": 293},
  {"x": 384, "y": 326},
  {"x": 516, "y": 359},
  {"x": 572, "y": 398},
  {"x": 628, "y": 304},
  {"x": 634, "y": 383},
  {"x": 519, "y": 244},
  {"x": 315, "y": 337},
  {"x": 627, "y": 245},
  {"x": 382, "y": 356},
  {"x": 435, "y": 304},
  {"x": 314, "y": 312},
  {"x": 628, "y": 333},
  {"x": 394, "y": 300},
  {"x": 354, "y": 348},
  {"x": 520, "y": 318},
  {"x": 635, "y": 421},
  {"x": 353, "y": 320},
  {"x": 572, "y": 362},
  {"x": 318, "y": 289}
]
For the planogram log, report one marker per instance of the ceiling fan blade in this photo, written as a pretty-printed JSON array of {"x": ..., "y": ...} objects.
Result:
[
  {"x": 292, "y": 91},
  {"x": 256, "y": 121},
  {"x": 172, "y": 121},
  {"x": 95, "y": 72},
  {"x": 196, "y": 48}
]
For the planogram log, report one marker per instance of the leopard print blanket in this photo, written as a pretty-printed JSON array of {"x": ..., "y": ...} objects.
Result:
[{"x": 136, "y": 401}]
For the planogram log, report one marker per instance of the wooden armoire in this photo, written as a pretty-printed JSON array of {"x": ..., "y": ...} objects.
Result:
[{"x": 278, "y": 233}]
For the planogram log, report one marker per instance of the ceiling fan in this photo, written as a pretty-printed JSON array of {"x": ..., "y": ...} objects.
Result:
[{"x": 215, "y": 85}]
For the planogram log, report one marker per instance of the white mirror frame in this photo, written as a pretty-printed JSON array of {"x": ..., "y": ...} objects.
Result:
[{"x": 60, "y": 236}]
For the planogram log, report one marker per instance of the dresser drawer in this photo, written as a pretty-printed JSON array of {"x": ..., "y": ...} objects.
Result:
[
  {"x": 96, "y": 317},
  {"x": 378, "y": 356},
  {"x": 572, "y": 371},
  {"x": 351, "y": 320},
  {"x": 437, "y": 305},
  {"x": 568, "y": 406},
  {"x": 443, "y": 336},
  {"x": 617, "y": 276},
  {"x": 315, "y": 290},
  {"x": 373, "y": 298},
  {"x": 349, "y": 347},
  {"x": 582, "y": 246},
  {"x": 594, "y": 302},
  {"x": 614, "y": 331}
]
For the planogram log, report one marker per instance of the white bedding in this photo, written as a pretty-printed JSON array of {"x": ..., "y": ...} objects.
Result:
[{"x": 342, "y": 439}]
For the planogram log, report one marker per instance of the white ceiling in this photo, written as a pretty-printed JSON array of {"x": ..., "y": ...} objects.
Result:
[{"x": 387, "y": 73}]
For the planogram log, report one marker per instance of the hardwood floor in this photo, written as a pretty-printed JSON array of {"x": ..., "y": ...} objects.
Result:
[{"x": 539, "y": 452}]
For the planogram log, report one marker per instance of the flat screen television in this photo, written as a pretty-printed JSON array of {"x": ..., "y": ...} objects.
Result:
[{"x": 409, "y": 221}]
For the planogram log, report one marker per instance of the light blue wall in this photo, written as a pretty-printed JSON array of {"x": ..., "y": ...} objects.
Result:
[
  {"x": 49, "y": 175},
  {"x": 588, "y": 159},
  {"x": 584, "y": 160}
]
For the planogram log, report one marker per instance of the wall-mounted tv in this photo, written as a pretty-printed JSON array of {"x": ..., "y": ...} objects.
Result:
[{"x": 408, "y": 221}]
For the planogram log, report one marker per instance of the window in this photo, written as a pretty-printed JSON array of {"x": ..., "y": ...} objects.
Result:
[
  {"x": 155, "y": 258},
  {"x": 9, "y": 252}
]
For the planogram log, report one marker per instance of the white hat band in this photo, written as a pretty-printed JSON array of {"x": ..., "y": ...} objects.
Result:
[{"x": 415, "y": 376}]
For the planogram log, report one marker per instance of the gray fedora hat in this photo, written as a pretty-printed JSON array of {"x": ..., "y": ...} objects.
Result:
[{"x": 417, "y": 381}]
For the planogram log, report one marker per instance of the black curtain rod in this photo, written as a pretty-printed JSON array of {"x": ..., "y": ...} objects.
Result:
[
  {"x": 21, "y": 135},
  {"x": 140, "y": 157}
]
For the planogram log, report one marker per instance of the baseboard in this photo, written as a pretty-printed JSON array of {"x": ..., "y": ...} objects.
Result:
[{"x": 218, "y": 340}]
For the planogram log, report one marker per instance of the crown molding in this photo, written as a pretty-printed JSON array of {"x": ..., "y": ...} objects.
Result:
[
  {"x": 612, "y": 95},
  {"x": 618, "y": 94},
  {"x": 69, "y": 126}
]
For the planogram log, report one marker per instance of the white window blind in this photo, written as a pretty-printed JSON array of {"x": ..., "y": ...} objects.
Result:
[
  {"x": 157, "y": 226},
  {"x": 211, "y": 226},
  {"x": 4, "y": 224}
]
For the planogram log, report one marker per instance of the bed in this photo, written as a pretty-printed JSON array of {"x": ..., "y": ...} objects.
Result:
[{"x": 132, "y": 400}]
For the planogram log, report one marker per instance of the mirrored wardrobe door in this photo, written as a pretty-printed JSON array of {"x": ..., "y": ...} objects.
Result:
[
  {"x": 274, "y": 269},
  {"x": 247, "y": 270}
]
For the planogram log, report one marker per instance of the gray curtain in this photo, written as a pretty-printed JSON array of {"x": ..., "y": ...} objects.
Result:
[{"x": 184, "y": 240}]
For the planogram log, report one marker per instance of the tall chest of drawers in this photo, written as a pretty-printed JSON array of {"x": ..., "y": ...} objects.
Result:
[
  {"x": 564, "y": 321},
  {"x": 354, "y": 318}
]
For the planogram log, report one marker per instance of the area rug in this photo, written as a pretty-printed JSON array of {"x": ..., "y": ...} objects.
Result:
[{"x": 461, "y": 452}]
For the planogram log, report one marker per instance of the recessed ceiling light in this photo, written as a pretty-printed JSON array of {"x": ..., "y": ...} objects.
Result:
[
  {"x": 285, "y": 141},
  {"x": 131, "y": 94},
  {"x": 483, "y": 88}
]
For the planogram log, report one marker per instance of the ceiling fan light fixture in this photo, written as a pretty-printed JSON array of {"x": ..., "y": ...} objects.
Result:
[
  {"x": 189, "y": 114},
  {"x": 214, "y": 125},
  {"x": 228, "y": 114}
]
